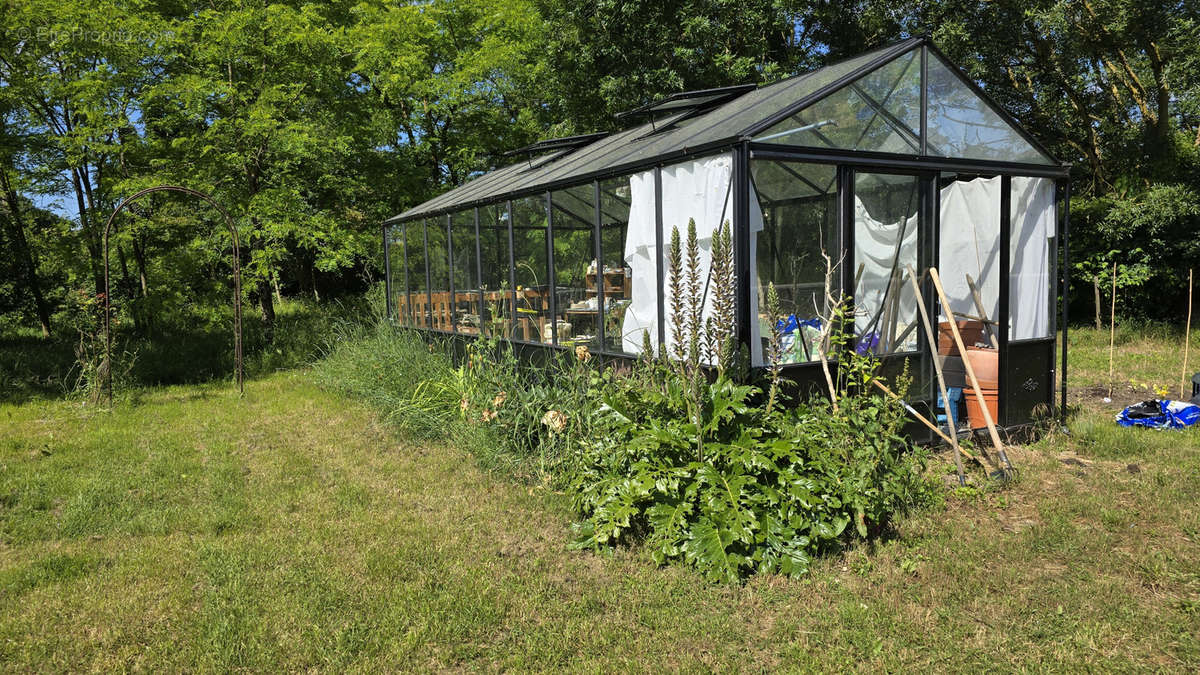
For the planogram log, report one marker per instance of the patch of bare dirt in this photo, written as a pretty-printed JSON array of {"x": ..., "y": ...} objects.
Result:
[{"x": 1124, "y": 394}]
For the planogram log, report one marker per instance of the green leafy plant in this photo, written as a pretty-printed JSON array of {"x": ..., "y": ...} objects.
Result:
[
  {"x": 772, "y": 490},
  {"x": 696, "y": 466}
]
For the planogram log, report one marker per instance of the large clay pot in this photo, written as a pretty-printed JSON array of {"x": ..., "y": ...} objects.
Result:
[
  {"x": 970, "y": 331},
  {"x": 974, "y": 412},
  {"x": 985, "y": 363}
]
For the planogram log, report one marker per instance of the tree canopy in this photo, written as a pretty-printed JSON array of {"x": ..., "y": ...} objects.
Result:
[{"x": 314, "y": 121}]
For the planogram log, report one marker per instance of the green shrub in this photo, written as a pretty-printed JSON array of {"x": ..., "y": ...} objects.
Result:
[
  {"x": 769, "y": 491},
  {"x": 713, "y": 473}
]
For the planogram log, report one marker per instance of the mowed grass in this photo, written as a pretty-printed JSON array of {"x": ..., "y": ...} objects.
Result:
[{"x": 291, "y": 530}]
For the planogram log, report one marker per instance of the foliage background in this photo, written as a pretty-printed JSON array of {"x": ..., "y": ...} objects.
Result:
[{"x": 314, "y": 121}]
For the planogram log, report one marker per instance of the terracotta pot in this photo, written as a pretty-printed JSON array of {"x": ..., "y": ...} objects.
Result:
[
  {"x": 985, "y": 363},
  {"x": 974, "y": 412},
  {"x": 970, "y": 331}
]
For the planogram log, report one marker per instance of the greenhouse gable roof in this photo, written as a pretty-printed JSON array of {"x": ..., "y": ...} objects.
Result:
[{"x": 864, "y": 103}]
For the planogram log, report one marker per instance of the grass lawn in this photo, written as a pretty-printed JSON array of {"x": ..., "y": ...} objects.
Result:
[{"x": 291, "y": 530}]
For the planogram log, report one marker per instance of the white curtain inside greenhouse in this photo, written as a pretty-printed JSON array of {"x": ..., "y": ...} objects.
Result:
[
  {"x": 698, "y": 190},
  {"x": 879, "y": 248},
  {"x": 1031, "y": 240},
  {"x": 969, "y": 245},
  {"x": 640, "y": 250}
]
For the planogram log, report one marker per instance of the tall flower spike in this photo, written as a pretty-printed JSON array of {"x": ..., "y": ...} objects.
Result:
[
  {"x": 695, "y": 294},
  {"x": 774, "y": 344},
  {"x": 724, "y": 297},
  {"x": 712, "y": 333},
  {"x": 675, "y": 285}
]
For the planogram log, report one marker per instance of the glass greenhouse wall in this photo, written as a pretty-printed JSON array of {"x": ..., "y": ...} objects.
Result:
[{"x": 872, "y": 170}]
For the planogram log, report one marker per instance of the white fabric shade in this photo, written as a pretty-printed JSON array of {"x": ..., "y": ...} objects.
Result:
[
  {"x": 1033, "y": 231},
  {"x": 969, "y": 244},
  {"x": 697, "y": 190},
  {"x": 640, "y": 249}
]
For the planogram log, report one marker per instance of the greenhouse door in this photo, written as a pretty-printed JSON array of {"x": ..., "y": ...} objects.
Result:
[{"x": 890, "y": 228}]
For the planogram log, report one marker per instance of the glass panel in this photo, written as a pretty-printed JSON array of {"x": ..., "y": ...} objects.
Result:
[
  {"x": 688, "y": 102},
  {"x": 439, "y": 273},
  {"x": 575, "y": 276},
  {"x": 465, "y": 307},
  {"x": 744, "y": 112},
  {"x": 723, "y": 123},
  {"x": 969, "y": 266},
  {"x": 886, "y": 245},
  {"x": 961, "y": 124},
  {"x": 495, "y": 268},
  {"x": 532, "y": 273},
  {"x": 894, "y": 92},
  {"x": 798, "y": 214},
  {"x": 628, "y": 257},
  {"x": 418, "y": 300},
  {"x": 880, "y": 111},
  {"x": 397, "y": 285},
  {"x": 1031, "y": 257}
]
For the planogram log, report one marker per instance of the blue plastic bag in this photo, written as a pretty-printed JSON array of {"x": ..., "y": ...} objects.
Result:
[{"x": 1160, "y": 415}]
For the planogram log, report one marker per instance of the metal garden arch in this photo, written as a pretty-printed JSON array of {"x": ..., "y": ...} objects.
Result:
[{"x": 237, "y": 281}]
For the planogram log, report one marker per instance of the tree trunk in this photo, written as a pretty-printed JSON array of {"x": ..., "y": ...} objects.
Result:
[
  {"x": 124, "y": 267},
  {"x": 1096, "y": 288},
  {"x": 1161, "y": 131},
  {"x": 91, "y": 239},
  {"x": 275, "y": 285},
  {"x": 24, "y": 253},
  {"x": 268, "y": 313},
  {"x": 139, "y": 255}
]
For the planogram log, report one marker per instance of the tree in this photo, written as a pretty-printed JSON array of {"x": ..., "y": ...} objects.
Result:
[
  {"x": 607, "y": 56},
  {"x": 256, "y": 107},
  {"x": 457, "y": 81},
  {"x": 23, "y": 257},
  {"x": 76, "y": 70}
]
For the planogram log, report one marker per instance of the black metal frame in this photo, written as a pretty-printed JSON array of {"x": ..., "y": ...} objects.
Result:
[
  {"x": 1005, "y": 315},
  {"x": 387, "y": 271},
  {"x": 450, "y": 270},
  {"x": 743, "y": 149},
  {"x": 598, "y": 244},
  {"x": 551, "y": 279},
  {"x": 659, "y": 263}
]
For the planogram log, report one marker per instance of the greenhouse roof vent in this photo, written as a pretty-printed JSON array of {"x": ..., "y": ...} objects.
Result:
[
  {"x": 554, "y": 144},
  {"x": 689, "y": 101}
]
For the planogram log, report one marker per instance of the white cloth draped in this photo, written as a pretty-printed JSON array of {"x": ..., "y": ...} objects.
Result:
[
  {"x": 969, "y": 243},
  {"x": 1033, "y": 231},
  {"x": 640, "y": 250},
  {"x": 696, "y": 190},
  {"x": 875, "y": 249}
]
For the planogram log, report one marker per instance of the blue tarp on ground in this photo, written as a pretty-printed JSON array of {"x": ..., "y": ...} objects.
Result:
[{"x": 1160, "y": 415}]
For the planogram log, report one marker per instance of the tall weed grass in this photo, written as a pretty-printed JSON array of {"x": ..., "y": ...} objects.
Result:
[
  {"x": 523, "y": 421},
  {"x": 408, "y": 379},
  {"x": 173, "y": 350}
]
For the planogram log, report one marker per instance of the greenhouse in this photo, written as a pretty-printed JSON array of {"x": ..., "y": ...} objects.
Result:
[{"x": 889, "y": 163}]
